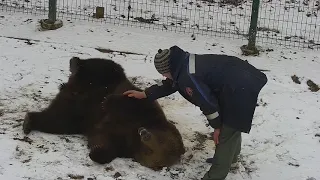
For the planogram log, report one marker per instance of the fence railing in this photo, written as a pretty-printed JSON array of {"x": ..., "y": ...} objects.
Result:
[{"x": 291, "y": 23}]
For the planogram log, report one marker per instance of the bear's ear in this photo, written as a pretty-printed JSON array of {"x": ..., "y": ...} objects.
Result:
[{"x": 74, "y": 64}]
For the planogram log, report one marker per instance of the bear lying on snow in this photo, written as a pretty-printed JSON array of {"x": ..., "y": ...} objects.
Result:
[{"x": 91, "y": 103}]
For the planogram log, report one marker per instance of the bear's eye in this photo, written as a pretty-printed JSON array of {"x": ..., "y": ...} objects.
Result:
[{"x": 161, "y": 140}]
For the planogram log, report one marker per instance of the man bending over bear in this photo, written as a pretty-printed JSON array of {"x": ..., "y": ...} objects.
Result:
[{"x": 225, "y": 88}]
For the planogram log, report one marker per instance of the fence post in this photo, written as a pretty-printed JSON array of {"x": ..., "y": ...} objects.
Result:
[
  {"x": 52, "y": 22},
  {"x": 52, "y": 10},
  {"x": 251, "y": 48}
]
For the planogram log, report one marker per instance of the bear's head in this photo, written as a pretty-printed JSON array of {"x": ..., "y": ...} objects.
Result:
[{"x": 95, "y": 72}]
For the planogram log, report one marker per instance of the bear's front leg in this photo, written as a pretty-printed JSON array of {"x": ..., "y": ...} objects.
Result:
[
  {"x": 102, "y": 149},
  {"x": 102, "y": 154}
]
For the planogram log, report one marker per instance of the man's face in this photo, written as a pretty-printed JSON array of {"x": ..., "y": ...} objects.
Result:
[{"x": 167, "y": 75}]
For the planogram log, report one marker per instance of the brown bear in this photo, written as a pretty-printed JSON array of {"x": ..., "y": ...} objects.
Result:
[{"x": 91, "y": 103}]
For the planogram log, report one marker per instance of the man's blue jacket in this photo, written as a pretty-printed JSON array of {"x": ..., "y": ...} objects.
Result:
[{"x": 225, "y": 87}]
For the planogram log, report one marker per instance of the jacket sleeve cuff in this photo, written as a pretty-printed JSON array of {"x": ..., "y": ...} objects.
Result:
[
  {"x": 214, "y": 120},
  {"x": 149, "y": 94}
]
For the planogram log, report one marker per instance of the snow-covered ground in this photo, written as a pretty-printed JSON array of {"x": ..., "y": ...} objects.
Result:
[{"x": 284, "y": 142}]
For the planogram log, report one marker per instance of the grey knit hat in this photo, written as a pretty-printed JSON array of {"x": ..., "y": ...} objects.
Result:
[{"x": 161, "y": 61}]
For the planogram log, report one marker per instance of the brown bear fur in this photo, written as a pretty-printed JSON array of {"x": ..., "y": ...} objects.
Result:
[{"x": 91, "y": 103}]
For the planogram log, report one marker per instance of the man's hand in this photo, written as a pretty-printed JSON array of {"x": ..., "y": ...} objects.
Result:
[
  {"x": 135, "y": 94},
  {"x": 216, "y": 135}
]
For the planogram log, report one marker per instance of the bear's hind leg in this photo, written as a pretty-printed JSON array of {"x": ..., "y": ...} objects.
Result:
[
  {"x": 49, "y": 123},
  {"x": 27, "y": 126}
]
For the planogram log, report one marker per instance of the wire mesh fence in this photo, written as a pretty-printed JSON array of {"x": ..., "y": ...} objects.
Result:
[
  {"x": 205, "y": 17},
  {"x": 286, "y": 22},
  {"x": 39, "y": 7},
  {"x": 293, "y": 23}
]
